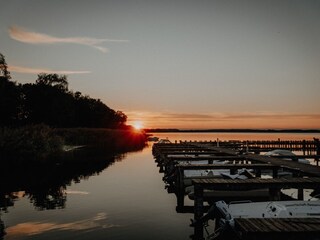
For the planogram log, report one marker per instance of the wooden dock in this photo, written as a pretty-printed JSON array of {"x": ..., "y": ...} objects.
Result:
[
  {"x": 277, "y": 228},
  {"x": 273, "y": 184},
  {"x": 176, "y": 158}
]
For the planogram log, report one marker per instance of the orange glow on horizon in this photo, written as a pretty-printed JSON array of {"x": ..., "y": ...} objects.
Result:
[
  {"x": 138, "y": 125},
  {"x": 267, "y": 120}
]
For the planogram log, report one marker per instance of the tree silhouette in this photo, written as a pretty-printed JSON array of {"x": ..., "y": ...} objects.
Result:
[
  {"x": 10, "y": 97},
  {"x": 49, "y": 101},
  {"x": 4, "y": 68},
  {"x": 53, "y": 80}
]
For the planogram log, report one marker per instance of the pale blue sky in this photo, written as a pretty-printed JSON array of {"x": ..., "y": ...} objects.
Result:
[{"x": 194, "y": 64}]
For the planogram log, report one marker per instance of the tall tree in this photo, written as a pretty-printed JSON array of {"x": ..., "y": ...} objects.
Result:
[
  {"x": 10, "y": 97},
  {"x": 4, "y": 73},
  {"x": 50, "y": 102}
]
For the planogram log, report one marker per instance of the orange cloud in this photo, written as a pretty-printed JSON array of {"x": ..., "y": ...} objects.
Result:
[{"x": 19, "y": 69}]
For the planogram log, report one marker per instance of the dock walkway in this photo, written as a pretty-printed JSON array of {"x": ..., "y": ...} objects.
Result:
[
  {"x": 179, "y": 157},
  {"x": 277, "y": 228},
  {"x": 306, "y": 169}
]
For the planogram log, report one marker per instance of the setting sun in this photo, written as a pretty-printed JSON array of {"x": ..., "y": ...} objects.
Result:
[{"x": 137, "y": 125}]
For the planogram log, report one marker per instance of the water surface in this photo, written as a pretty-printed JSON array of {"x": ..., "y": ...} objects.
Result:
[{"x": 108, "y": 198}]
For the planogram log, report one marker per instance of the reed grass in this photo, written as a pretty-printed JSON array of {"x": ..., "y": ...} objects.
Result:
[{"x": 38, "y": 142}]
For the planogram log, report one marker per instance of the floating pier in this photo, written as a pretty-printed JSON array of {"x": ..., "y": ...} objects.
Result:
[{"x": 174, "y": 159}]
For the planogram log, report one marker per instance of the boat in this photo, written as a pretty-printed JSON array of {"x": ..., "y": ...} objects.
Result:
[
  {"x": 225, "y": 214},
  {"x": 288, "y": 156},
  {"x": 270, "y": 209},
  {"x": 206, "y": 172},
  {"x": 283, "y": 152},
  {"x": 152, "y": 139},
  {"x": 164, "y": 141}
]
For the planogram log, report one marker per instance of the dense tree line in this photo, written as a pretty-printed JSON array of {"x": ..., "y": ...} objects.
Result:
[{"x": 49, "y": 101}]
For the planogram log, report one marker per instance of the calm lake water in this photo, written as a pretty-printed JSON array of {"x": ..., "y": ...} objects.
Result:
[{"x": 120, "y": 197}]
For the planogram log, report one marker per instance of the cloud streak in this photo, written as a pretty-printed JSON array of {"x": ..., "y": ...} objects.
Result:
[
  {"x": 28, "y": 70},
  {"x": 26, "y": 36}
]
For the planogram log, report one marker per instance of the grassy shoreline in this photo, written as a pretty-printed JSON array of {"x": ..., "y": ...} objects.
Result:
[{"x": 40, "y": 142}]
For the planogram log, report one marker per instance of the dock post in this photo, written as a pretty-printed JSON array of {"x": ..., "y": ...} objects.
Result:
[
  {"x": 304, "y": 147},
  {"x": 258, "y": 173},
  {"x": 198, "y": 210},
  {"x": 180, "y": 191},
  {"x": 274, "y": 194},
  {"x": 300, "y": 193},
  {"x": 317, "y": 143},
  {"x": 180, "y": 201},
  {"x": 275, "y": 172}
]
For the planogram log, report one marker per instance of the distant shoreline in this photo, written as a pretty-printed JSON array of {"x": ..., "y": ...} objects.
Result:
[{"x": 160, "y": 130}]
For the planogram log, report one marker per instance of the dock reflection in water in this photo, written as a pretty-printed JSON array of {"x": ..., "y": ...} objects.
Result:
[{"x": 108, "y": 197}]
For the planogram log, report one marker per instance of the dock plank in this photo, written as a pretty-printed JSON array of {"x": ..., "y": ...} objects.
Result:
[
  {"x": 273, "y": 225},
  {"x": 246, "y": 184}
]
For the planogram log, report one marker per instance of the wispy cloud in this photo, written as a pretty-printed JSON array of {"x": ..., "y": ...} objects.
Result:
[
  {"x": 19, "y": 69},
  {"x": 26, "y": 36}
]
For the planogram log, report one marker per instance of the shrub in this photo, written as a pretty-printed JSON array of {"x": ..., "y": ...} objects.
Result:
[{"x": 35, "y": 142}]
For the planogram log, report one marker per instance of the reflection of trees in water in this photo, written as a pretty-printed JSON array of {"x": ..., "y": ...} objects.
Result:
[
  {"x": 45, "y": 184},
  {"x": 48, "y": 199},
  {"x": 2, "y": 232}
]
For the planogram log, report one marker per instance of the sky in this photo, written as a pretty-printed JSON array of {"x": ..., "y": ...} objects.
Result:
[{"x": 176, "y": 64}]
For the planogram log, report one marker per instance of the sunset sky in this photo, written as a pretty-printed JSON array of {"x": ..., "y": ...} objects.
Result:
[{"x": 176, "y": 64}]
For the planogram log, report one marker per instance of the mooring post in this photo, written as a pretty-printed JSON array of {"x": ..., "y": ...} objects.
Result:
[
  {"x": 274, "y": 194},
  {"x": 300, "y": 190},
  {"x": 180, "y": 200},
  {"x": 317, "y": 143},
  {"x": 198, "y": 210},
  {"x": 275, "y": 172},
  {"x": 300, "y": 193},
  {"x": 258, "y": 173},
  {"x": 304, "y": 147},
  {"x": 180, "y": 188}
]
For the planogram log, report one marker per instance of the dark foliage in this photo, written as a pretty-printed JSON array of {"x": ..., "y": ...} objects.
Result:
[
  {"x": 49, "y": 101},
  {"x": 10, "y": 97}
]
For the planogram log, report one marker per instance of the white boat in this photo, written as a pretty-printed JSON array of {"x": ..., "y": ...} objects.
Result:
[
  {"x": 164, "y": 141},
  {"x": 206, "y": 172},
  {"x": 225, "y": 214},
  {"x": 273, "y": 209},
  {"x": 152, "y": 139},
  {"x": 190, "y": 174},
  {"x": 283, "y": 152}
]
